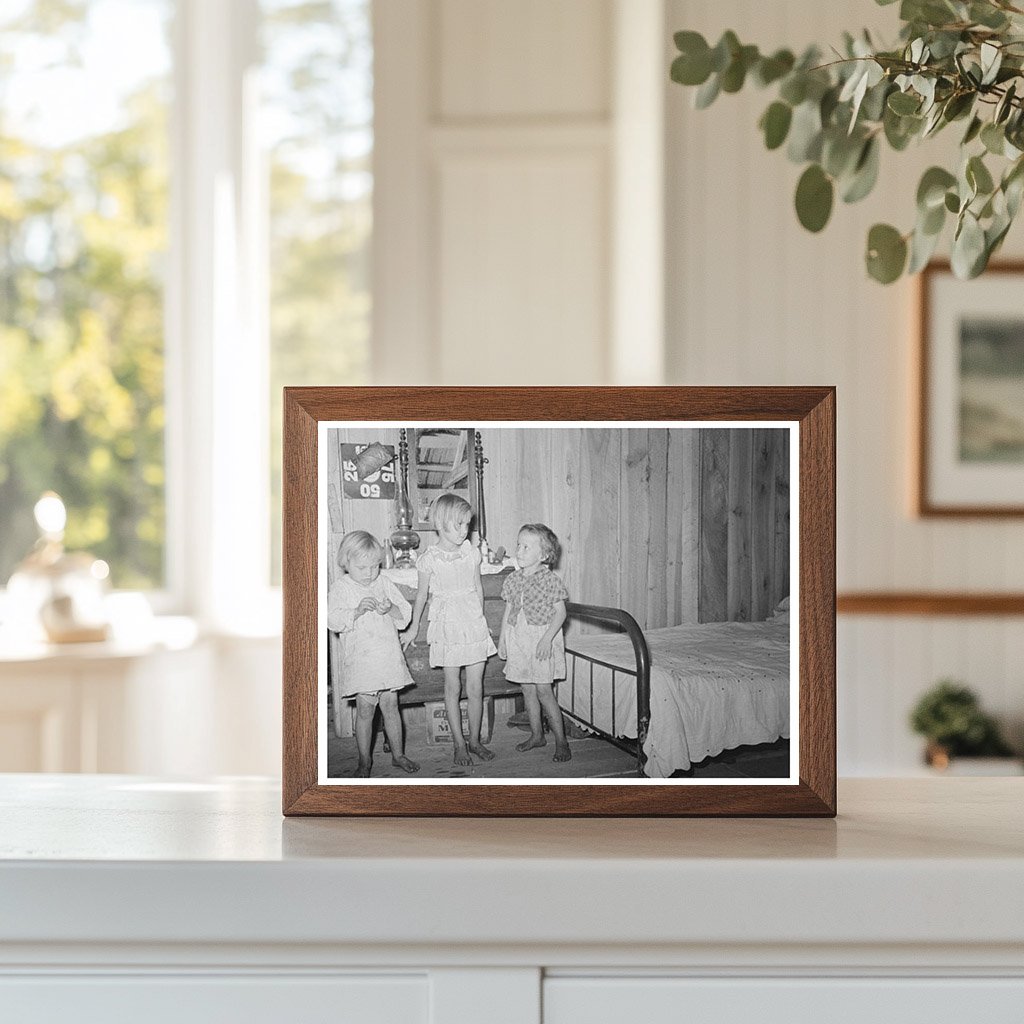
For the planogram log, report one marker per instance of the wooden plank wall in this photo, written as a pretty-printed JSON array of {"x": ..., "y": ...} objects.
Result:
[
  {"x": 672, "y": 525},
  {"x": 743, "y": 523}
]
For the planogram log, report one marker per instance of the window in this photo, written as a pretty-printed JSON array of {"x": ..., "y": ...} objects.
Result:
[
  {"x": 317, "y": 126},
  {"x": 185, "y": 221},
  {"x": 83, "y": 236}
]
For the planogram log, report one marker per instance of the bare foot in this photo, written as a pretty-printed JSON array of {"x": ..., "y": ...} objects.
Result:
[
  {"x": 362, "y": 771},
  {"x": 481, "y": 751},
  {"x": 462, "y": 757},
  {"x": 533, "y": 741},
  {"x": 562, "y": 752},
  {"x": 405, "y": 764}
]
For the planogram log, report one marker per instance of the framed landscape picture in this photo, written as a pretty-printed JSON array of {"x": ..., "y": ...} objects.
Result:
[
  {"x": 559, "y": 601},
  {"x": 970, "y": 451}
]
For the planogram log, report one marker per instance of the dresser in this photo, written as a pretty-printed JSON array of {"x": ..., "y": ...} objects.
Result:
[{"x": 127, "y": 898}]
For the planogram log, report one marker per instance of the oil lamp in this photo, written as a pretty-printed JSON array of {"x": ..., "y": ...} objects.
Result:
[{"x": 59, "y": 594}]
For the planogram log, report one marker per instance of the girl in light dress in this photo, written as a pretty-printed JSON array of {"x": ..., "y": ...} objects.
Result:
[
  {"x": 365, "y": 609},
  {"x": 449, "y": 572},
  {"x": 531, "y": 633}
]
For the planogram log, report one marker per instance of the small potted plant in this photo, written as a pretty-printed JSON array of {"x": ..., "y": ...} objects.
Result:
[{"x": 950, "y": 717}]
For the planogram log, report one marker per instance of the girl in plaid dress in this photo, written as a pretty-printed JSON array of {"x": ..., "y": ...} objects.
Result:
[{"x": 531, "y": 633}]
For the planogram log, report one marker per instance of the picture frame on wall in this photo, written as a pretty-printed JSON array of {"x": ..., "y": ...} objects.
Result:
[
  {"x": 970, "y": 376},
  {"x": 620, "y": 601}
]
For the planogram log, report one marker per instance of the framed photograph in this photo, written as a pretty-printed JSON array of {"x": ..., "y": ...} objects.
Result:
[
  {"x": 617, "y": 601},
  {"x": 970, "y": 450}
]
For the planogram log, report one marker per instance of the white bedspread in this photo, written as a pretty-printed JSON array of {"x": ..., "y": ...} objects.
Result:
[{"x": 713, "y": 687}]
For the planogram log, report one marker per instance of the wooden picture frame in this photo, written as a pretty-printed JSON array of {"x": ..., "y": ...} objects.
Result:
[
  {"x": 632, "y": 428},
  {"x": 969, "y": 448}
]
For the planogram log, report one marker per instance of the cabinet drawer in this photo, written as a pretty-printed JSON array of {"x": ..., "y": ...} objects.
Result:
[
  {"x": 570, "y": 1000},
  {"x": 224, "y": 999}
]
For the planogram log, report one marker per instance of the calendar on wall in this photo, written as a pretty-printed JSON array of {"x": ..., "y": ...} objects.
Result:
[{"x": 379, "y": 484}]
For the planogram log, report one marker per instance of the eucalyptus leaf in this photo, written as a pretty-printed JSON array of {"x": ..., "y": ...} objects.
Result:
[
  {"x": 775, "y": 123},
  {"x": 873, "y": 106},
  {"x": 886, "y": 254},
  {"x": 840, "y": 152},
  {"x": 993, "y": 138},
  {"x": 827, "y": 106},
  {"x": 994, "y": 236},
  {"x": 925, "y": 88},
  {"x": 904, "y": 103},
  {"x": 1005, "y": 104},
  {"x": 952, "y": 202},
  {"x": 691, "y": 68},
  {"x": 931, "y": 190},
  {"x": 991, "y": 60},
  {"x": 805, "y": 133},
  {"x": 771, "y": 69},
  {"x": 958, "y": 105},
  {"x": 865, "y": 174},
  {"x": 968, "y": 247},
  {"x": 930, "y": 12},
  {"x": 966, "y": 187},
  {"x": 857, "y": 78},
  {"x": 735, "y": 74},
  {"x": 973, "y": 129},
  {"x": 944, "y": 44},
  {"x": 987, "y": 15},
  {"x": 794, "y": 88},
  {"x": 934, "y": 121},
  {"x": 707, "y": 93},
  {"x": 814, "y": 195},
  {"x": 1013, "y": 187},
  {"x": 688, "y": 41},
  {"x": 922, "y": 248},
  {"x": 1013, "y": 191},
  {"x": 932, "y": 221},
  {"x": 978, "y": 176},
  {"x": 900, "y": 130},
  {"x": 725, "y": 50}
]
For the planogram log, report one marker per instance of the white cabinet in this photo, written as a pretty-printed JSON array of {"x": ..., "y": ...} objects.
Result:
[
  {"x": 172, "y": 704},
  {"x": 96, "y": 707},
  {"x": 127, "y": 897},
  {"x": 204, "y": 999},
  {"x": 827, "y": 1000}
]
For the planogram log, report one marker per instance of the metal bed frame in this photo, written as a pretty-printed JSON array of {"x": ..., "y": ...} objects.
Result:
[{"x": 640, "y": 677}]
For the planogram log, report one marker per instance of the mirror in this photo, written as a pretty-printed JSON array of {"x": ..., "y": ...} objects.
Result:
[{"x": 440, "y": 460}]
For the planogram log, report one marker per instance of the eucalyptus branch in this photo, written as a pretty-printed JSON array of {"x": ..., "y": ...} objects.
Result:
[{"x": 834, "y": 116}]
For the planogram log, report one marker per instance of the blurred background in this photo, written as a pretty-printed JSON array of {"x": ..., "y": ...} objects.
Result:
[{"x": 202, "y": 201}]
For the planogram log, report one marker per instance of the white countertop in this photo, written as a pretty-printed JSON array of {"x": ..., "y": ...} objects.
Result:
[{"x": 120, "y": 859}]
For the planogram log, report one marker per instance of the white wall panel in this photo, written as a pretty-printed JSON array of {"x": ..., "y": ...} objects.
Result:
[
  {"x": 754, "y": 299},
  {"x": 531, "y": 58},
  {"x": 522, "y": 283},
  {"x": 493, "y": 204}
]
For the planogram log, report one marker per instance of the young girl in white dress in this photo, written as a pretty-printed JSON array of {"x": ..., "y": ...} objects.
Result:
[
  {"x": 531, "y": 633},
  {"x": 449, "y": 572},
  {"x": 366, "y": 610}
]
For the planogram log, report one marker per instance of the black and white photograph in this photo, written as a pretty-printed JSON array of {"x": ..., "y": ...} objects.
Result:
[{"x": 574, "y": 602}]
